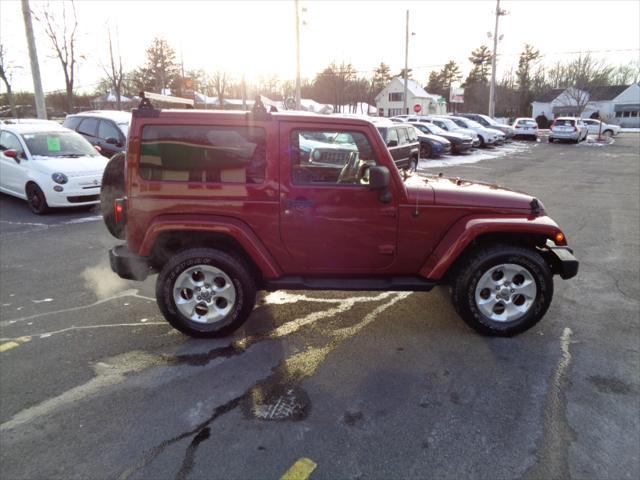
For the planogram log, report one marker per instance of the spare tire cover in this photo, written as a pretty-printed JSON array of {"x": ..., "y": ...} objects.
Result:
[{"x": 112, "y": 188}]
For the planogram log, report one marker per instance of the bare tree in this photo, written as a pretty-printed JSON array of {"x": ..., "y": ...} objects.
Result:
[
  {"x": 218, "y": 84},
  {"x": 580, "y": 77},
  {"x": 115, "y": 74},
  {"x": 5, "y": 75},
  {"x": 62, "y": 33}
]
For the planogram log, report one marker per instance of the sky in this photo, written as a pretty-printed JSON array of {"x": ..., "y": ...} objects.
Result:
[{"x": 257, "y": 38}]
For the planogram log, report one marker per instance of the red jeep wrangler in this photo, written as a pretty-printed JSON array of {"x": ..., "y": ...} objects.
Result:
[{"x": 223, "y": 204}]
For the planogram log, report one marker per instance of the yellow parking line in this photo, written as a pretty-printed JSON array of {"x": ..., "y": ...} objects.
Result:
[
  {"x": 301, "y": 470},
  {"x": 13, "y": 344}
]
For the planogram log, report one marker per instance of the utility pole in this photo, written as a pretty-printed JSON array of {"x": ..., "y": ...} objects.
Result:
[
  {"x": 492, "y": 87},
  {"x": 298, "y": 101},
  {"x": 405, "y": 110},
  {"x": 41, "y": 108}
]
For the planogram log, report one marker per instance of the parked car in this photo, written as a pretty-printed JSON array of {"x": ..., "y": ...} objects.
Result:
[
  {"x": 106, "y": 129},
  {"x": 450, "y": 126},
  {"x": 607, "y": 129},
  {"x": 487, "y": 121},
  {"x": 526, "y": 127},
  {"x": 568, "y": 128},
  {"x": 49, "y": 166},
  {"x": 488, "y": 136},
  {"x": 195, "y": 215},
  {"x": 402, "y": 142},
  {"x": 459, "y": 143},
  {"x": 432, "y": 146}
]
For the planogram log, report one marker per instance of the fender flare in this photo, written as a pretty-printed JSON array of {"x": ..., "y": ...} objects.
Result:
[
  {"x": 465, "y": 230},
  {"x": 231, "y": 227}
]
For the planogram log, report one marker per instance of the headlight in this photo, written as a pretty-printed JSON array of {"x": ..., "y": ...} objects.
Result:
[{"x": 59, "y": 178}]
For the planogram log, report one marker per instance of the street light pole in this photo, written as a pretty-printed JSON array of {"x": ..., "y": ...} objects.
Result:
[
  {"x": 405, "y": 110},
  {"x": 41, "y": 108},
  {"x": 492, "y": 87},
  {"x": 298, "y": 100}
]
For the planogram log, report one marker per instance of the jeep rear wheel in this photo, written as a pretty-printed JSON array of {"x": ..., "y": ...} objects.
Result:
[
  {"x": 503, "y": 290},
  {"x": 205, "y": 293}
]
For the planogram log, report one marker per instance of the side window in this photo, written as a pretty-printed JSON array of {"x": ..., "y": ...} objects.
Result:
[
  {"x": 330, "y": 157},
  {"x": 108, "y": 130},
  {"x": 8, "y": 141},
  {"x": 88, "y": 126},
  {"x": 199, "y": 153},
  {"x": 402, "y": 134},
  {"x": 413, "y": 136},
  {"x": 72, "y": 122},
  {"x": 392, "y": 136}
]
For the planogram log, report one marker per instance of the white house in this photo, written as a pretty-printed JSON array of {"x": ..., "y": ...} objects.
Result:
[
  {"x": 619, "y": 104},
  {"x": 390, "y": 100}
]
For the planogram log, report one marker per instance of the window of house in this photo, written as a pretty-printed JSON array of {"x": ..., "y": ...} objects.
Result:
[
  {"x": 330, "y": 157},
  {"x": 396, "y": 96},
  {"x": 627, "y": 114},
  {"x": 395, "y": 111},
  {"x": 618, "y": 114},
  {"x": 202, "y": 153},
  {"x": 635, "y": 114}
]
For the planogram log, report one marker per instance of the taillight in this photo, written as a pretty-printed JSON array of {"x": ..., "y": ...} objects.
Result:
[{"x": 120, "y": 209}]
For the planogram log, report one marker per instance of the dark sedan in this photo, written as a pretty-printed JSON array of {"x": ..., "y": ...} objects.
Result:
[
  {"x": 460, "y": 143},
  {"x": 432, "y": 145}
]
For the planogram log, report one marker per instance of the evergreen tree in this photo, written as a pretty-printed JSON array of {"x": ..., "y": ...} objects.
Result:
[{"x": 481, "y": 60}]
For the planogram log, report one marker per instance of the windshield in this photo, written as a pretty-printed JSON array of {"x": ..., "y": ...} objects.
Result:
[
  {"x": 528, "y": 123},
  {"x": 490, "y": 120},
  {"x": 471, "y": 123},
  {"x": 58, "y": 144},
  {"x": 436, "y": 130},
  {"x": 124, "y": 128}
]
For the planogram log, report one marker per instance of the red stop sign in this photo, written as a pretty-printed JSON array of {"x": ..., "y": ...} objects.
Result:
[{"x": 417, "y": 107}]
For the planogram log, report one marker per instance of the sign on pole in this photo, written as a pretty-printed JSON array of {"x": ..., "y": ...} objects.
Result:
[
  {"x": 417, "y": 108},
  {"x": 457, "y": 95}
]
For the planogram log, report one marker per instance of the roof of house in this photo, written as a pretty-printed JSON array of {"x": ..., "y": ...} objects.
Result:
[
  {"x": 608, "y": 92},
  {"x": 549, "y": 96}
]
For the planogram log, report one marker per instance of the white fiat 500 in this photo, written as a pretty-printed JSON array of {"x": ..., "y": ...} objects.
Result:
[{"x": 49, "y": 166}]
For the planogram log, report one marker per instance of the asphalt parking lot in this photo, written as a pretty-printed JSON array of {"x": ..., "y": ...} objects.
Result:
[{"x": 94, "y": 383}]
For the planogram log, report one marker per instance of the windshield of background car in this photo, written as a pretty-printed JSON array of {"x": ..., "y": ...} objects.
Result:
[
  {"x": 527, "y": 123},
  {"x": 490, "y": 120},
  {"x": 124, "y": 128},
  {"x": 564, "y": 123},
  {"x": 58, "y": 144},
  {"x": 436, "y": 130},
  {"x": 473, "y": 124}
]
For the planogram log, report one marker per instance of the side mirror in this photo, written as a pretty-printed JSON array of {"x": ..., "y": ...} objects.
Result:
[
  {"x": 392, "y": 143},
  {"x": 98, "y": 149},
  {"x": 379, "y": 178},
  {"x": 12, "y": 154},
  {"x": 112, "y": 141}
]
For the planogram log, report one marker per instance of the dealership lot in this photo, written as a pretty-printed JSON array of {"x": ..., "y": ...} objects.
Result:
[{"x": 94, "y": 383}]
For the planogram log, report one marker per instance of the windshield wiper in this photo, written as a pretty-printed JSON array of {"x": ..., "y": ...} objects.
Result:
[{"x": 72, "y": 155}]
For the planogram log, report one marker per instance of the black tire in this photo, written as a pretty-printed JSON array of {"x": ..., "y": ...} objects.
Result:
[
  {"x": 608, "y": 133},
  {"x": 36, "y": 199},
  {"x": 476, "y": 264},
  {"x": 425, "y": 150},
  {"x": 232, "y": 266},
  {"x": 550, "y": 139},
  {"x": 482, "y": 142},
  {"x": 112, "y": 188}
]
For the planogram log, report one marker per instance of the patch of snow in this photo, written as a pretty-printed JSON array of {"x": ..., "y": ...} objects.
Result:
[
  {"x": 631, "y": 130},
  {"x": 474, "y": 157}
]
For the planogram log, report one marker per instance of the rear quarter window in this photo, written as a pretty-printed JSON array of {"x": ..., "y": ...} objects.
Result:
[{"x": 218, "y": 154}]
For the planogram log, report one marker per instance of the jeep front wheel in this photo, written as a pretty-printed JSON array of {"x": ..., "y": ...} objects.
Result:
[
  {"x": 205, "y": 293},
  {"x": 503, "y": 290}
]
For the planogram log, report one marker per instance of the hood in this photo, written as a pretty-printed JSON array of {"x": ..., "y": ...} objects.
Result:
[
  {"x": 468, "y": 132},
  {"x": 495, "y": 132},
  {"x": 466, "y": 193},
  {"x": 458, "y": 136},
  {"x": 71, "y": 167},
  {"x": 434, "y": 138}
]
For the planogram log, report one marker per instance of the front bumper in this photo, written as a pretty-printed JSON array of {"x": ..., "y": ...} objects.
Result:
[
  {"x": 563, "y": 261},
  {"x": 127, "y": 264}
]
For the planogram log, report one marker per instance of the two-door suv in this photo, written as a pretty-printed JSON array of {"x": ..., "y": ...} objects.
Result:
[{"x": 223, "y": 204}]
